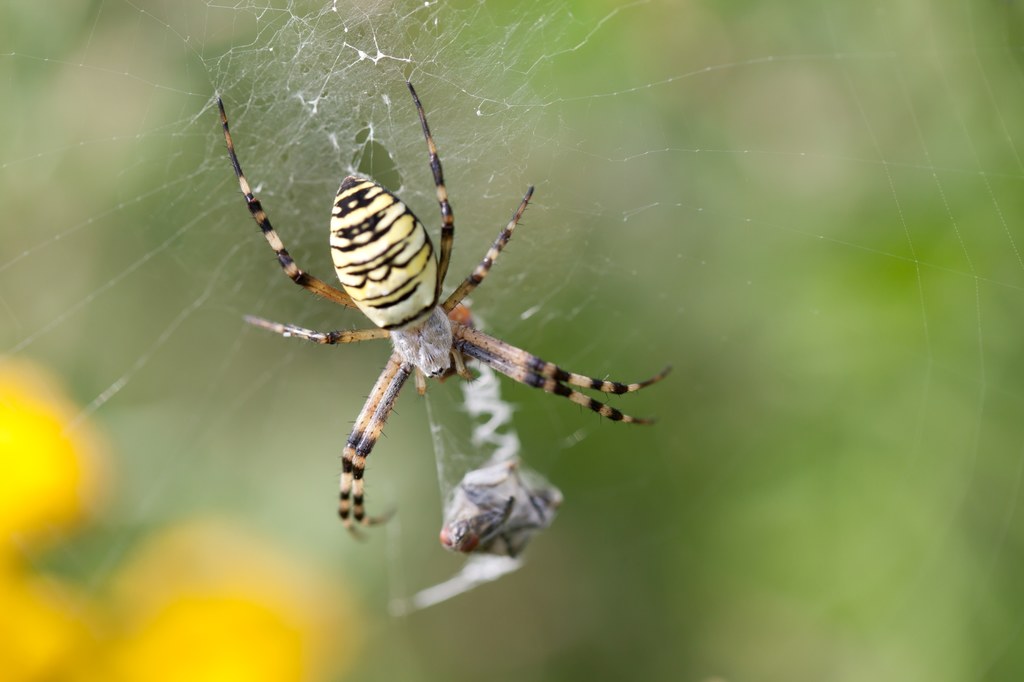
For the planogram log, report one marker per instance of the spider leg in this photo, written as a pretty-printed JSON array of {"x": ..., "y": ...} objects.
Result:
[
  {"x": 329, "y": 338},
  {"x": 517, "y": 357},
  {"x": 488, "y": 350},
  {"x": 485, "y": 265},
  {"x": 364, "y": 435},
  {"x": 460, "y": 366},
  {"x": 296, "y": 274},
  {"x": 447, "y": 216}
]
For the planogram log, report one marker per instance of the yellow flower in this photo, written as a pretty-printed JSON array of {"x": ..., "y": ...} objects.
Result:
[
  {"x": 49, "y": 480},
  {"x": 205, "y": 602},
  {"x": 213, "y": 637},
  {"x": 49, "y": 470},
  {"x": 45, "y": 631},
  {"x": 201, "y": 601}
]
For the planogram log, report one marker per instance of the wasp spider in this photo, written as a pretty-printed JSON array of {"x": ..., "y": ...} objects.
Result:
[{"x": 387, "y": 267}]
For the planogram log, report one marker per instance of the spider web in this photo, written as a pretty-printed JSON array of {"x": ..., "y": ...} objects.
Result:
[{"x": 812, "y": 212}]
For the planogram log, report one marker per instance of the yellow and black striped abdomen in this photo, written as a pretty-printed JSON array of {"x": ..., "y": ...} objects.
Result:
[{"x": 382, "y": 254}]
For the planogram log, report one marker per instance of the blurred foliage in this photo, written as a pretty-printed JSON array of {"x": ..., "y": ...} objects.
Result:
[{"x": 812, "y": 211}]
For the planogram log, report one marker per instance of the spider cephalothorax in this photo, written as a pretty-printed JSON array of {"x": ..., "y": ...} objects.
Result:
[{"x": 385, "y": 261}]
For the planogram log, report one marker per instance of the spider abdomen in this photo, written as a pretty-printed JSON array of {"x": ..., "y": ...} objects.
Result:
[{"x": 382, "y": 255}]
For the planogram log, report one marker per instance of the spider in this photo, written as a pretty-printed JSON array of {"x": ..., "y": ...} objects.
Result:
[{"x": 387, "y": 268}]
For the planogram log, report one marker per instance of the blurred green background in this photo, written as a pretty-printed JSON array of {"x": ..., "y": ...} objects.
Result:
[{"x": 812, "y": 211}]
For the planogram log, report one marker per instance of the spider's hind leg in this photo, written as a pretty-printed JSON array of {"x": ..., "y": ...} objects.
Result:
[
  {"x": 288, "y": 265},
  {"x": 447, "y": 215},
  {"x": 485, "y": 265}
]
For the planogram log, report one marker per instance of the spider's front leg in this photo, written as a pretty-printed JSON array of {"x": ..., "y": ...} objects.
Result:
[{"x": 364, "y": 436}]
